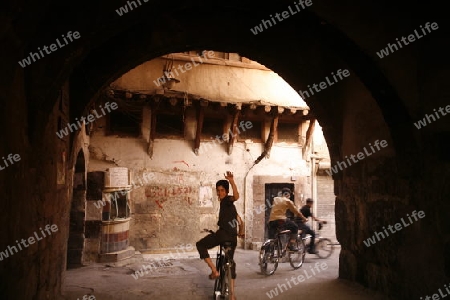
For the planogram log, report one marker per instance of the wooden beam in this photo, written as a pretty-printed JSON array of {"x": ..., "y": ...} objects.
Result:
[
  {"x": 198, "y": 133},
  {"x": 233, "y": 131},
  {"x": 280, "y": 109},
  {"x": 299, "y": 133},
  {"x": 187, "y": 102},
  {"x": 269, "y": 142},
  {"x": 151, "y": 138},
  {"x": 309, "y": 133}
]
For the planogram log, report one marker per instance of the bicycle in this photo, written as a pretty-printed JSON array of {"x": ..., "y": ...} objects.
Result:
[
  {"x": 222, "y": 285},
  {"x": 324, "y": 247},
  {"x": 272, "y": 252}
]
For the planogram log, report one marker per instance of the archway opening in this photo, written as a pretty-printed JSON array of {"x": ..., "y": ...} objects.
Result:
[{"x": 75, "y": 244}]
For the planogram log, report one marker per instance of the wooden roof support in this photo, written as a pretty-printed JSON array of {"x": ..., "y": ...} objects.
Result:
[
  {"x": 151, "y": 138},
  {"x": 198, "y": 133},
  {"x": 233, "y": 131},
  {"x": 309, "y": 133},
  {"x": 269, "y": 142},
  {"x": 187, "y": 101},
  {"x": 280, "y": 109}
]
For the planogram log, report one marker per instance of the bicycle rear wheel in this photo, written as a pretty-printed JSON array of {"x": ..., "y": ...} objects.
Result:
[
  {"x": 324, "y": 248},
  {"x": 296, "y": 258},
  {"x": 268, "y": 257}
]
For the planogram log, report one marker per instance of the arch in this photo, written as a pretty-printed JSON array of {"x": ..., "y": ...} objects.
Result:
[{"x": 303, "y": 50}]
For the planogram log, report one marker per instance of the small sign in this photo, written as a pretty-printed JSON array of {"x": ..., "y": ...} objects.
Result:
[{"x": 117, "y": 177}]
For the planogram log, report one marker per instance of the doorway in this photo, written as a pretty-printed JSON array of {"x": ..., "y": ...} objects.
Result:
[
  {"x": 274, "y": 190},
  {"x": 75, "y": 244}
]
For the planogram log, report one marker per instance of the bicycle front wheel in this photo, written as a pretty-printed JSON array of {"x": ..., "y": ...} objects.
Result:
[
  {"x": 324, "y": 248},
  {"x": 268, "y": 258},
  {"x": 296, "y": 258},
  {"x": 226, "y": 283},
  {"x": 219, "y": 280}
]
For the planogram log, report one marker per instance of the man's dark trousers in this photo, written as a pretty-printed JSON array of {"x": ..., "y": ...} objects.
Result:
[{"x": 307, "y": 230}]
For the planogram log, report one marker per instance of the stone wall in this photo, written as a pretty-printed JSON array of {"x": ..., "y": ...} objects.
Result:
[
  {"x": 168, "y": 202},
  {"x": 325, "y": 206}
]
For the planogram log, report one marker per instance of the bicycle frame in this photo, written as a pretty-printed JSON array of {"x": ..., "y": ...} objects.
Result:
[
  {"x": 222, "y": 284},
  {"x": 272, "y": 251}
]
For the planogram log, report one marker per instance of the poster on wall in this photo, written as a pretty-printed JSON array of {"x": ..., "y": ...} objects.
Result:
[{"x": 205, "y": 196}]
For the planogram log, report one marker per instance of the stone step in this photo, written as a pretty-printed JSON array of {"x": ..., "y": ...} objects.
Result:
[{"x": 122, "y": 256}]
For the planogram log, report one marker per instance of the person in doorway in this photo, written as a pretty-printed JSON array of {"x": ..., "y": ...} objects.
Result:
[
  {"x": 278, "y": 219},
  {"x": 306, "y": 211},
  {"x": 227, "y": 232}
]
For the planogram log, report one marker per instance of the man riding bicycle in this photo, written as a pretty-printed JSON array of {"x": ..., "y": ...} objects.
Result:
[
  {"x": 306, "y": 211},
  {"x": 278, "y": 219}
]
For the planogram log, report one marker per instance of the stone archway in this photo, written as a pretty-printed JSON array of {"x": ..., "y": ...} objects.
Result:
[
  {"x": 377, "y": 102},
  {"x": 75, "y": 244}
]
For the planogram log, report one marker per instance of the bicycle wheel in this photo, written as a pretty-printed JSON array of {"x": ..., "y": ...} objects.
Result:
[
  {"x": 324, "y": 248},
  {"x": 296, "y": 258},
  {"x": 226, "y": 282},
  {"x": 268, "y": 257},
  {"x": 219, "y": 280}
]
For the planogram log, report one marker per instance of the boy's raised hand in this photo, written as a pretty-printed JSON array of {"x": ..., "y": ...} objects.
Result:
[{"x": 229, "y": 176}]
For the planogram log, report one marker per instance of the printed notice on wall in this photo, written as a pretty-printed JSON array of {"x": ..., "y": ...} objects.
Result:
[
  {"x": 117, "y": 177},
  {"x": 205, "y": 196}
]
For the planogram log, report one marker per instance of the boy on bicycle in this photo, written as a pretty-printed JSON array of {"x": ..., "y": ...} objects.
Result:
[
  {"x": 278, "y": 217},
  {"x": 227, "y": 232},
  {"x": 306, "y": 211}
]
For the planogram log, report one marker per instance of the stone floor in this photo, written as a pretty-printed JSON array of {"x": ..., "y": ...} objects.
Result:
[{"x": 185, "y": 277}]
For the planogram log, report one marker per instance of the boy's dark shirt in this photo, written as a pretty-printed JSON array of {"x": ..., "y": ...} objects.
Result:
[
  {"x": 306, "y": 211},
  {"x": 228, "y": 215}
]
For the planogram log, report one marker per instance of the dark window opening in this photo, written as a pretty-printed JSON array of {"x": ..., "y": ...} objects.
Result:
[
  {"x": 251, "y": 130},
  {"x": 119, "y": 206},
  {"x": 116, "y": 206},
  {"x": 125, "y": 123},
  {"x": 169, "y": 126},
  {"x": 212, "y": 127},
  {"x": 287, "y": 132}
]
